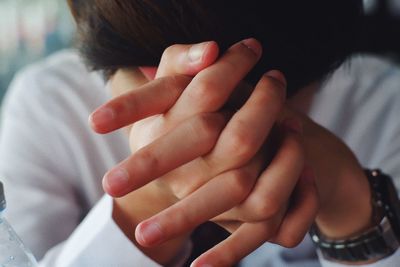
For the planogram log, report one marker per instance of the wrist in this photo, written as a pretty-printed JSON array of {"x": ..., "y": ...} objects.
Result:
[
  {"x": 349, "y": 212},
  {"x": 380, "y": 240},
  {"x": 139, "y": 205}
]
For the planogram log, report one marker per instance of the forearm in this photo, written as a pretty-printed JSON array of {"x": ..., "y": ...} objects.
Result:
[
  {"x": 346, "y": 207},
  {"x": 96, "y": 241},
  {"x": 349, "y": 211},
  {"x": 343, "y": 187}
]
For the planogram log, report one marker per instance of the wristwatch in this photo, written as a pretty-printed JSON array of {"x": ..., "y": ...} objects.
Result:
[{"x": 378, "y": 242}]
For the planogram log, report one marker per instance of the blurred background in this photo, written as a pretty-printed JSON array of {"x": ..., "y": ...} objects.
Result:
[{"x": 29, "y": 30}]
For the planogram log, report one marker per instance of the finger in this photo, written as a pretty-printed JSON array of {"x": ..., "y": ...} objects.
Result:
[
  {"x": 230, "y": 226},
  {"x": 301, "y": 215},
  {"x": 152, "y": 98},
  {"x": 241, "y": 243},
  {"x": 275, "y": 185},
  {"x": 187, "y": 59},
  {"x": 202, "y": 205},
  {"x": 249, "y": 127},
  {"x": 189, "y": 140},
  {"x": 211, "y": 88},
  {"x": 242, "y": 137},
  {"x": 149, "y": 72},
  {"x": 176, "y": 60}
]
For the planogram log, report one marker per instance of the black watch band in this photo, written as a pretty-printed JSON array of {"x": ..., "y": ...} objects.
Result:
[{"x": 379, "y": 241}]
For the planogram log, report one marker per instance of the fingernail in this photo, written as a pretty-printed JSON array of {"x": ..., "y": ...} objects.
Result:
[
  {"x": 278, "y": 76},
  {"x": 150, "y": 233},
  {"x": 196, "y": 52},
  {"x": 253, "y": 45},
  {"x": 116, "y": 180},
  {"x": 293, "y": 125},
  {"x": 102, "y": 116}
]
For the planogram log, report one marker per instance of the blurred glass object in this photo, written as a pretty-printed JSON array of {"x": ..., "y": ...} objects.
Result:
[
  {"x": 30, "y": 29},
  {"x": 13, "y": 252}
]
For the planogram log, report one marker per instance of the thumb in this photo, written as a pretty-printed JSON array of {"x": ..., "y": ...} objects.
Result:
[{"x": 187, "y": 59}]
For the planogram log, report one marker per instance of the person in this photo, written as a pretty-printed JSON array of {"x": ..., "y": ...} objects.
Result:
[
  {"x": 131, "y": 174},
  {"x": 90, "y": 251}
]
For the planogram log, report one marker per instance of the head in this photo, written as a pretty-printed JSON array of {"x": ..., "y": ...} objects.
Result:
[{"x": 304, "y": 39}]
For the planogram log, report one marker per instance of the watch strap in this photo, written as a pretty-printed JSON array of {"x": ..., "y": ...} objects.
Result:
[
  {"x": 379, "y": 241},
  {"x": 376, "y": 243},
  {"x": 384, "y": 198}
]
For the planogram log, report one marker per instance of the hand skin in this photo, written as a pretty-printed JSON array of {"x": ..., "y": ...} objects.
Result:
[
  {"x": 343, "y": 189},
  {"x": 340, "y": 165},
  {"x": 128, "y": 216},
  {"x": 268, "y": 92}
]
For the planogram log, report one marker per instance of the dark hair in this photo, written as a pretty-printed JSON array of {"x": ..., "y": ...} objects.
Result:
[{"x": 304, "y": 39}]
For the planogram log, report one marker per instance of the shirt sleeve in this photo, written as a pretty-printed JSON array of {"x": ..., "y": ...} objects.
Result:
[
  {"x": 383, "y": 110},
  {"x": 391, "y": 261},
  {"x": 98, "y": 241},
  {"x": 45, "y": 206}
]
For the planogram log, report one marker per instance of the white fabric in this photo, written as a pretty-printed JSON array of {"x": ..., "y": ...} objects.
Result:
[
  {"x": 361, "y": 104},
  {"x": 392, "y": 261},
  {"x": 52, "y": 163}
]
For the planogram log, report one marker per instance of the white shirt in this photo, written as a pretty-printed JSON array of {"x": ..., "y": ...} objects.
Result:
[{"x": 52, "y": 163}]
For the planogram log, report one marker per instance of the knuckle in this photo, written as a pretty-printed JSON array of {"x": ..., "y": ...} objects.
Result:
[
  {"x": 181, "y": 188},
  {"x": 270, "y": 98},
  {"x": 147, "y": 159},
  {"x": 241, "y": 145},
  {"x": 239, "y": 184},
  {"x": 175, "y": 83},
  {"x": 230, "y": 64},
  {"x": 182, "y": 218},
  {"x": 275, "y": 92},
  {"x": 129, "y": 105},
  {"x": 207, "y": 126},
  {"x": 266, "y": 206},
  {"x": 169, "y": 82},
  {"x": 205, "y": 92},
  {"x": 175, "y": 220}
]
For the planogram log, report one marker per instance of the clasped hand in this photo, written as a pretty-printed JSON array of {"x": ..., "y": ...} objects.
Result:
[{"x": 216, "y": 148}]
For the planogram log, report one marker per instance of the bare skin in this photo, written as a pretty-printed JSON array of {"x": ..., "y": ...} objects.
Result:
[{"x": 179, "y": 129}]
